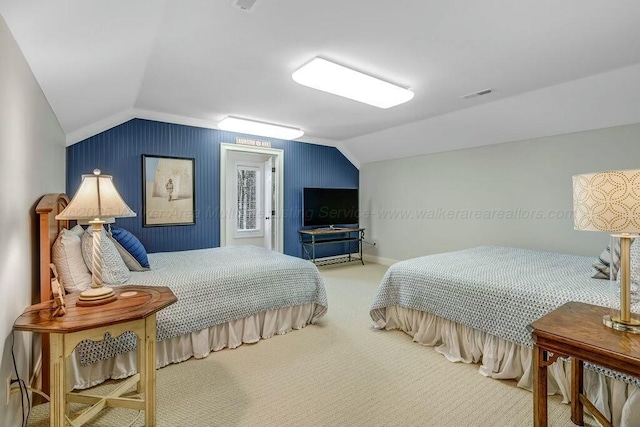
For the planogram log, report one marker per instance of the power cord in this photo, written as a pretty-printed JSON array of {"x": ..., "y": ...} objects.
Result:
[{"x": 23, "y": 392}]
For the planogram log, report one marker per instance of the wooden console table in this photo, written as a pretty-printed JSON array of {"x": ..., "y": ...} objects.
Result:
[
  {"x": 134, "y": 310},
  {"x": 575, "y": 330},
  {"x": 311, "y": 238}
]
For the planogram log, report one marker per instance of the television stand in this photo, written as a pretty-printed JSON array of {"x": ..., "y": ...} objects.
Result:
[{"x": 311, "y": 238}]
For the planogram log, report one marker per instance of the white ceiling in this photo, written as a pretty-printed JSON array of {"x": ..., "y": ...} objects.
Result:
[{"x": 556, "y": 66}]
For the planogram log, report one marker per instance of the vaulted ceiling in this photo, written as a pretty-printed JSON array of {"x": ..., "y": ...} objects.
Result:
[{"x": 556, "y": 66}]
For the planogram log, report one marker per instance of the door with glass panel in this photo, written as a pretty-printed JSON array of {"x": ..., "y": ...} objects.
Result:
[{"x": 249, "y": 204}]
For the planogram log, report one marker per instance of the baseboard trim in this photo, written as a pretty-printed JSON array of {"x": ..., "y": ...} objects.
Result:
[{"x": 379, "y": 260}]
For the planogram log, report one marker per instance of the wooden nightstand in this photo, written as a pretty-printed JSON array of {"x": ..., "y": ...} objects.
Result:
[
  {"x": 134, "y": 310},
  {"x": 575, "y": 330}
]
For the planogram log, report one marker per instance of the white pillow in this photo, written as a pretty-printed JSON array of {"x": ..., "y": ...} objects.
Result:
[
  {"x": 66, "y": 254},
  {"x": 114, "y": 270},
  {"x": 77, "y": 230}
]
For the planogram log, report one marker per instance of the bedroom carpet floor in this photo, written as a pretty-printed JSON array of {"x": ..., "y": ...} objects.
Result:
[{"x": 340, "y": 372}]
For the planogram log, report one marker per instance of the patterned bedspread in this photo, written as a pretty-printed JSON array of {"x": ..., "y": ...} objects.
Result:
[
  {"x": 216, "y": 286},
  {"x": 494, "y": 289}
]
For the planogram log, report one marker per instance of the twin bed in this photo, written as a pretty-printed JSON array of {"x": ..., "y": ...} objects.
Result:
[
  {"x": 226, "y": 297},
  {"x": 475, "y": 305}
]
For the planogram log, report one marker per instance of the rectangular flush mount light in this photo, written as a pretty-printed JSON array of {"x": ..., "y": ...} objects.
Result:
[
  {"x": 252, "y": 127},
  {"x": 333, "y": 78}
]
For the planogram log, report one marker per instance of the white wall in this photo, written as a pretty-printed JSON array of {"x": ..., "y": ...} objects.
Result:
[
  {"x": 512, "y": 194},
  {"x": 32, "y": 164}
]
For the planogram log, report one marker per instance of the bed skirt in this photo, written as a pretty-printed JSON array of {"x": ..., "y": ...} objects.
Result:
[
  {"x": 196, "y": 344},
  {"x": 502, "y": 359}
]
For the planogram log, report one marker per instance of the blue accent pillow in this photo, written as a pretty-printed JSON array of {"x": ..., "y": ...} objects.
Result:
[{"x": 131, "y": 249}]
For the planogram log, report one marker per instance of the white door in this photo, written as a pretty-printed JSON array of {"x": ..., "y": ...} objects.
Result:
[{"x": 249, "y": 217}]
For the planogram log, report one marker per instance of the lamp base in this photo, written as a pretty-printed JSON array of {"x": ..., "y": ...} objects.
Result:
[
  {"x": 96, "y": 296},
  {"x": 633, "y": 325}
]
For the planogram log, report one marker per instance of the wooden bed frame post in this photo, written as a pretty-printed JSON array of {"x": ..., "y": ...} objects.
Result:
[{"x": 48, "y": 207}]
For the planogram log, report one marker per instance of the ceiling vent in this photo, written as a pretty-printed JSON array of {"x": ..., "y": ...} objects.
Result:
[
  {"x": 478, "y": 93},
  {"x": 245, "y": 5}
]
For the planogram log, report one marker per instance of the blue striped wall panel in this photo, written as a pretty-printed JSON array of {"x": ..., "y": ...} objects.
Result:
[{"x": 118, "y": 152}]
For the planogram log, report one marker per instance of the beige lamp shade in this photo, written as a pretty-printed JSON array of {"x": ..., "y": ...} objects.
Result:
[
  {"x": 97, "y": 202},
  {"x": 607, "y": 201},
  {"x": 97, "y": 198}
]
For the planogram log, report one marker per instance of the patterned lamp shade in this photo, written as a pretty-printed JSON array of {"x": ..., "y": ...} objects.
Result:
[{"x": 607, "y": 201}]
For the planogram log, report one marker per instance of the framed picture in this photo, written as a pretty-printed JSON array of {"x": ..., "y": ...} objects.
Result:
[{"x": 168, "y": 191}]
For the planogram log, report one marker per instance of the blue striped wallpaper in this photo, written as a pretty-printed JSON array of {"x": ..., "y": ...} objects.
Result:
[{"x": 118, "y": 152}]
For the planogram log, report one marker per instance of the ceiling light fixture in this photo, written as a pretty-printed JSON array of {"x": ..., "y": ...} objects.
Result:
[
  {"x": 333, "y": 78},
  {"x": 252, "y": 127}
]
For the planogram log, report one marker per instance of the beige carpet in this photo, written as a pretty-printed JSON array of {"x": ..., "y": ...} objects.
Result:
[{"x": 340, "y": 372}]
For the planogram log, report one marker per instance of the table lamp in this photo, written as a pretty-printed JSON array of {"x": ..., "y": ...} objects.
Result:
[
  {"x": 96, "y": 202},
  {"x": 610, "y": 201}
]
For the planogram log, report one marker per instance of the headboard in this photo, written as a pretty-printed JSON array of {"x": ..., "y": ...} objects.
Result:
[{"x": 47, "y": 208}]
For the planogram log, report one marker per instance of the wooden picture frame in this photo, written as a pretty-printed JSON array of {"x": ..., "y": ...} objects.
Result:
[{"x": 168, "y": 191}]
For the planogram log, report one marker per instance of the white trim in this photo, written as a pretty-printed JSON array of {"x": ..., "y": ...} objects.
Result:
[
  {"x": 319, "y": 141},
  {"x": 347, "y": 153},
  {"x": 158, "y": 116},
  {"x": 278, "y": 163},
  {"x": 99, "y": 126},
  {"x": 135, "y": 113},
  {"x": 379, "y": 260}
]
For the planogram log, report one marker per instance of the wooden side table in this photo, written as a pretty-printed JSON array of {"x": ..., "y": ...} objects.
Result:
[
  {"x": 575, "y": 330},
  {"x": 134, "y": 310}
]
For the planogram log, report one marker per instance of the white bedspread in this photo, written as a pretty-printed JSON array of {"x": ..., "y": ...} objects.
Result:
[
  {"x": 218, "y": 285},
  {"x": 497, "y": 290}
]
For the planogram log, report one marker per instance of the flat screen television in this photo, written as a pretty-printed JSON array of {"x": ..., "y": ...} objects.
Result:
[{"x": 329, "y": 206}]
